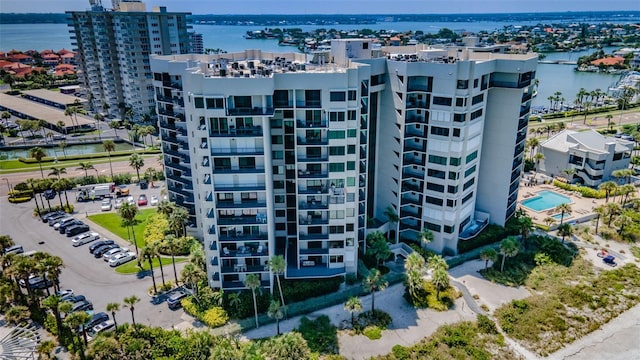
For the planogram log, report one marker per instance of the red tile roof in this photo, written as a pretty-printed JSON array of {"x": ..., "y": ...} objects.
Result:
[{"x": 608, "y": 61}]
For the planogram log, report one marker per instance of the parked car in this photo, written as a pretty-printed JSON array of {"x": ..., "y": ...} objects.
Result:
[
  {"x": 53, "y": 219},
  {"x": 144, "y": 184},
  {"x": 105, "y": 205},
  {"x": 59, "y": 137},
  {"x": 82, "y": 305},
  {"x": 142, "y": 200},
  {"x": 130, "y": 200},
  {"x": 118, "y": 203},
  {"x": 72, "y": 298},
  {"x": 154, "y": 201},
  {"x": 96, "y": 319},
  {"x": 103, "y": 249},
  {"x": 98, "y": 244},
  {"x": 62, "y": 222},
  {"x": 64, "y": 292},
  {"x": 15, "y": 249},
  {"x": 63, "y": 228},
  {"x": 45, "y": 218},
  {"x": 122, "y": 258},
  {"x": 107, "y": 255},
  {"x": 174, "y": 299},
  {"x": 36, "y": 282},
  {"x": 602, "y": 253},
  {"x": 121, "y": 190},
  {"x": 107, "y": 325},
  {"x": 76, "y": 230},
  {"x": 84, "y": 238},
  {"x": 610, "y": 260}
]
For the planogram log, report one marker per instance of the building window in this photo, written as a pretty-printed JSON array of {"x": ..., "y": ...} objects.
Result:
[
  {"x": 277, "y": 154},
  {"x": 469, "y": 171},
  {"x": 276, "y": 139},
  {"x": 352, "y": 95},
  {"x": 351, "y": 133},
  {"x": 452, "y": 189},
  {"x": 336, "y": 167},
  {"x": 463, "y": 84},
  {"x": 451, "y": 203},
  {"x": 436, "y": 173},
  {"x": 351, "y": 165},
  {"x": 453, "y": 175},
  {"x": 456, "y": 132},
  {"x": 459, "y": 117},
  {"x": 433, "y": 200},
  {"x": 461, "y": 101},
  {"x": 472, "y": 156},
  {"x": 435, "y": 130},
  {"x": 476, "y": 114},
  {"x": 337, "y": 96},
  {"x": 334, "y": 259},
  {"x": 351, "y": 149},
  {"x": 336, "y": 150},
  {"x": 435, "y": 187},
  {"x": 439, "y": 100},
  {"x": 434, "y": 159},
  {"x": 215, "y": 103},
  {"x": 468, "y": 184},
  {"x": 467, "y": 197},
  {"x": 337, "y": 134},
  {"x": 449, "y": 229},
  {"x": 336, "y": 116},
  {"x": 199, "y": 102},
  {"x": 351, "y": 115},
  {"x": 431, "y": 226},
  {"x": 454, "y": 161},
  {"x": 477, "y": 99}
]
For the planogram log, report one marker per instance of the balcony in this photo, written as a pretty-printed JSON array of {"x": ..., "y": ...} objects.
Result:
[
  {"x": 240, "y": 132},
  {"x": 311, "y": 124},
  {"x": 314, "y": 190},
  {"x": 415, "y": 146},
  {"x": 240, "y": 268},
  {"x": 240, "y": 284},
  {"x": 413, "y": 132},
  {"x": 313, "y": 205},
  {"x": 256, "y": 111},
  {"x": 237, "y": 170},
  {"x": 245, "y": 251},
  {"x": 242, "y": 219},
  {"x": 415, "y": 104},
  {"x": 239, "y": 187},
  {"x": 310, "y": 220},
  {"x": 283, "y": 104},
  {"x": 234, "y": 152},
  {"x": 409, "y": 172},
  {"x": 313, "y": 158},
  {"x": 179, "y": 179},
  {"x": 410, "y": 159},
  {"x": 317, "y": 271},
  {"x": 411, "y": 187},
  {"x": 211, "y": 214},
  {"x": 309, "y": 104},
  {"x": 186, "y": 171},
  {"x": 314, "y": 237},
  {"x": 182, "y": 191},
  {"x": 172, "y": 126},
  {"x": 240, "y": 236},
  {"x": 317, "y": 251},
  {"x": 306, "y": 174},
  {"x": 408, "y": 211},
  {"x": 240, "y": 205},
  {"x": 312, "y": 141}
]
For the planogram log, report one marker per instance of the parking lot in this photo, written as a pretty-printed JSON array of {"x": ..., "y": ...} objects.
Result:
[{"x": 83, "y": 273}]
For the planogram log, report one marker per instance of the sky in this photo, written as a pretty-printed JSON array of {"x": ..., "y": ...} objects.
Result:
[{"x": 337, "y": 6}]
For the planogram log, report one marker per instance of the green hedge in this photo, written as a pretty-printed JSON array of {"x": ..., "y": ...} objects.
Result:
[
  {"x": 17, "y": 200},
  {"x": 89, "y": 156},
  {"x": 571, "y": 113},
  {"x": 583, "y": 190},
  {"x": 21, "y": 193},
  {"x": 492, "y": 233},
  {"x": 298, "y": 290}
]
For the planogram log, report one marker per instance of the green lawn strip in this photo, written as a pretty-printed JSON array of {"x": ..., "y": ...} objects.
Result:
[
  {"x": 15, "y": 165},
  {"x": 132, "y": 266},
  {"x": 113, "y": 221}
]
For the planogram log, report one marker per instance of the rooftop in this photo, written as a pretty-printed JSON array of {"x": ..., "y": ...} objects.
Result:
[
  {"x": 38, "y": 111},
  {"x": 55, "y": 97},
  {"x": 586, "y": 140}
]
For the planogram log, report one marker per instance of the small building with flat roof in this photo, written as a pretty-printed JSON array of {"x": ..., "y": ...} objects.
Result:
[
  {"x": 31, "y": 110},
  {"x": 55, "y": 99}
]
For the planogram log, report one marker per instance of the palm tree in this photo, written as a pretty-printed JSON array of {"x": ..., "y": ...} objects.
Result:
[
  {"x": 608, "y": 187},
  {"x": 172, "y": 248},
  {"x": 128, "y": 213},
  {"x": 137, "y": 162},
  {"x": 391, "y": 214},
  {"x": 98, "y": 117},
  {"x": 192, "y": 275},
  {"x": 154, "y": 250},
  {"x": 437, "y": 262},
  {"x": 86, "y": 166},
  {"x": 623, "y": 222},
  {"x": 564, "y": 209},
  {"x": 58, "y": 186},
  {"x": 424, "y": 237},
  {"x": 414, "y": 268},
  {"x": 565, "y": 230},
  {"x": 52, "y": 266},
  {"x": 440, "y": 279},
  {"x": 52, "y": 302},
  {"x": 533, "y": 144},
  {"x": 165, "y": 208},
  {"x": 488, "y": 254},
  {"x": 612, "y": 209},
  {"x": 38, "y": 153},
  {"x": 63, "y": 145},
  {"x": 130, "y": 302},
  {"x": 57, "y": 171},
  {"x": 600, "y": 211},
  {"x": 252, "y": 281},
  {"x": 69, "y": 111},
  {"x": 375, "y": 281},
  {"x": 6, "y": 116},
  {"x": 610, "y": 122},
  {"x": 627, "y": 190},
  {"x": 31, "y": 182},
  {"x": 114, "y": 125},
  {"x": 525, "y": 225},
  {"x": 178, "y": 220},
  {"x": 17, "y": 314},
  {"x": 109, "y": 146},
  {"x": 277, "y": 265},
  {"x": 276, "y": 311},
  {"x": 45, "y": 348},
  {"x": 353, "y": 305},
  {"x": 148, "y": 253},
  {"x": 509, "y": 247},
  {"x": 537, "y": 158},
  {"x": 113, "y": 308}
]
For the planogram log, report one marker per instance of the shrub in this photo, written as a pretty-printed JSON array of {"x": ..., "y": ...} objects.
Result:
[
  {"x": 583, "y": 190},
  {"x": 215, "y": 317},
  {"x": 87, "y": 156},
  {"x": 17, "y": 200},
  {"x": 492, "y": 233},
  {"x": 372, "y": 332},
  {"x": 189, "y": 306},
  {"x": 298, "y": 290},
  {"x": 400, "y": 352},
  {"x": 321, "y": 335},
  {"x": 351, "y": 279},
  {"x": 244, "y": 308},
  {"x": 378, "y": 319},
  {"x": 68, "y": 209},
  {"x": 120, "y": 179},
  {"x": 486, "y": 325}
]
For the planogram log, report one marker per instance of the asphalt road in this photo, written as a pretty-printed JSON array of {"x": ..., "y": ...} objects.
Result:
[{"x": 83, "y": 273}]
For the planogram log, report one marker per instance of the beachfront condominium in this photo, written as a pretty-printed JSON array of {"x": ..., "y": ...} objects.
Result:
[
  {"x": 113, "y": 48},
  {"x": 301, "y": 155}
]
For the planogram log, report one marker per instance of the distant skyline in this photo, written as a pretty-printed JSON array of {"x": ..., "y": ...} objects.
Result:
[{"x": 295, "y": 7}]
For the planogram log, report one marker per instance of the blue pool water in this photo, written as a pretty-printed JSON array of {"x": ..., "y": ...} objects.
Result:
[
  {"x": 559, "y": 216},
  {"x": 545, "y": 200}
]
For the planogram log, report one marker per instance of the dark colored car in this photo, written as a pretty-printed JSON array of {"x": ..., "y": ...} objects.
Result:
[
  {"x": 72, "y": 298},
  {"x": 82, "y": 305},
  {"x": 98, "y": 244},
  {"x": 75, "y": 230},
  {"x": 63, "y": 227},
  {"x": 97, "y": 253},
  {"x": 37, "y": 282},
  {"x": 96, "y": 319},
  {"x": 610, "y": 260},
  {"x": 47, "y": 216},
  {"x": 174, "y": 299},
  {"x": 144, "y": 185}
]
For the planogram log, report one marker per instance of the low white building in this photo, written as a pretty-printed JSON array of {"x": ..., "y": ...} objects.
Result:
[{"x": 593, "y": 156}]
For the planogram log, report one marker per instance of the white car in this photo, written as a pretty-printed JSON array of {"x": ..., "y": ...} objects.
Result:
[
  {"x": 107, "y": 256},
  {"x": 130, "y": 200},
  {"x": 154, "y": 201},
  {"x": 103, "y": 326},
  {"x": 85, "y": 238},
  {"x": 105, "y": 205},
  {"x": 118, "y": 204},
  {"x": 122, "y": 258}
]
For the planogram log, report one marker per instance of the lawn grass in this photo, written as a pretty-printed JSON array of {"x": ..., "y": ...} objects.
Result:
[
  {"x": 132, "y": 266},
  {"x": 635, "y": 250},
  {"x": 15, "y": 165},
  {"x": 113, "y": 221}
]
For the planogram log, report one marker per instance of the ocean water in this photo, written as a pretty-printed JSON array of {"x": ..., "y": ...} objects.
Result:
[{"x": 552, "y": 77}]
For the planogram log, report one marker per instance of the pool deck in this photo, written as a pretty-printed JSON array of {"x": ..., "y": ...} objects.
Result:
[{"x": 582, "y": 207}]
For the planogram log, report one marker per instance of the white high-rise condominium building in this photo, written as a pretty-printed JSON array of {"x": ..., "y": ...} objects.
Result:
[
  {"x": 296, "y": 155},
  {"x": 113, "y": 48}
]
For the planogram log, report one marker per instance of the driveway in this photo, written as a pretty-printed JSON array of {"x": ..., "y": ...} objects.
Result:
[{"x": 85, "y": 274}]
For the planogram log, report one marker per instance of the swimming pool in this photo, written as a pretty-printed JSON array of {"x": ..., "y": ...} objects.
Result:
[
  {"x": 559, "y": 216},
  {"x": 545, "y": 200}
]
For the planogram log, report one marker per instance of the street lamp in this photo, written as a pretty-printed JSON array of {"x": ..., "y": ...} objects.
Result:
[{"x": 8, "y": 184}]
